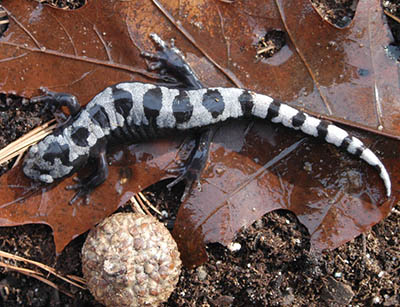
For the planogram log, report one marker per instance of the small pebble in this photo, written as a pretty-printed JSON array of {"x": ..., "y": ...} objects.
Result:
[
  {"x": 337, "y": 275},
  {"x": 234, "y": 246},
  {"x": 201, "y": 273}
]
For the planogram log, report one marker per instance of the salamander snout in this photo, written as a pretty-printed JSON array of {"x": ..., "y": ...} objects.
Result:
[{"x": 46, "y": 162}]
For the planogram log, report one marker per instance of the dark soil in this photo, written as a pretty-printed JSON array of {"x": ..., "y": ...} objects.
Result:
[{"x": 272, "y": 268}]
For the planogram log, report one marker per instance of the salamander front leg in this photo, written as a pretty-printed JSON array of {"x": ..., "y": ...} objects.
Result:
[
  {"x": 190, "y": 173},
  {"x": 171, "y": 64},
  {"x": 54, "y": 101},
  {"x": 86, "y": 185}
]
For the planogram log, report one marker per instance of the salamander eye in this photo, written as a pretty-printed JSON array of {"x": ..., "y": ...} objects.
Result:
[{"x": 46, "y": 178}]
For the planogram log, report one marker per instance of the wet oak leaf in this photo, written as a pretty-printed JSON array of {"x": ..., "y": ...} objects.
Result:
[
  {"x": 258, "y": 170},
  {"x": 252, "y": 170},
  {"x": 327, "y": 71},
  {"x": 130, "y": 171},
  {"x": 78, "y": 51}
]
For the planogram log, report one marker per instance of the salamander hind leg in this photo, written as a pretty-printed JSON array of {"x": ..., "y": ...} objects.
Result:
[
  {"x": 85, "y": 186},
  {"x": 171, "y": 64},
  {"x": 191, "y": 171}
]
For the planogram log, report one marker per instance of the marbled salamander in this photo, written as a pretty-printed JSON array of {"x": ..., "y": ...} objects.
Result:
[{"x": 132, "y": 112}]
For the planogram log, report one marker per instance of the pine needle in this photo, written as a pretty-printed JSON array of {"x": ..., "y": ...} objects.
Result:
[
  {"x": 19, "y": 146},
  {"x": 79, "y": 282}
]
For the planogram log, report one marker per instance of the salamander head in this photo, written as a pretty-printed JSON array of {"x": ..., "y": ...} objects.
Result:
[{"x": 48, "y": 160}]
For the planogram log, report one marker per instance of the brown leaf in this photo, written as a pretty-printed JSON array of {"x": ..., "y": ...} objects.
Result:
[
  {"x": 80, "y": 52},
  {"x": 335, "y": 73},
  {"x": 131, "y": 170},
  {"x": 252, "y": 172},
  {"x": 347, "y": 66},
  {"x": 330, "y": 72}
]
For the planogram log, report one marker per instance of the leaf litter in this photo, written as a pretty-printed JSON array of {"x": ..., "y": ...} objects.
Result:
[{"x": 277, "y": 136}]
